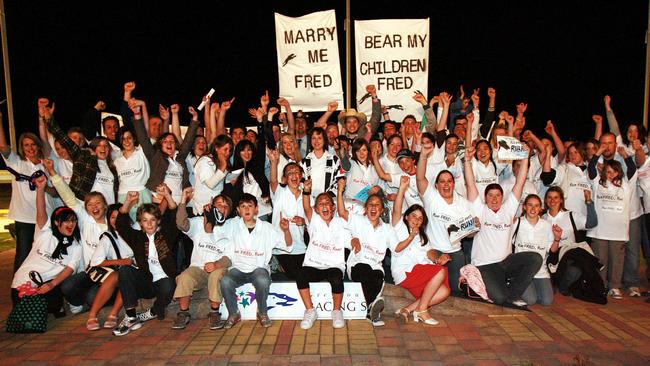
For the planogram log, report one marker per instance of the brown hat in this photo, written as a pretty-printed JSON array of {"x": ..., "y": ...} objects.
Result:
[{"x": 360, "y": 116}]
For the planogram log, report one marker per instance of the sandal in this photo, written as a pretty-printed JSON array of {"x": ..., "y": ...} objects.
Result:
[
  {"x": 92, "y": 324},
  {"x": 402, "y": 315},
  {"x": 111, "y": 322}
]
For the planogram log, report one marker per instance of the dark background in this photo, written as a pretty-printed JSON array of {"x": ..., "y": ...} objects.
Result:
[{"x": 561, "y": 58}]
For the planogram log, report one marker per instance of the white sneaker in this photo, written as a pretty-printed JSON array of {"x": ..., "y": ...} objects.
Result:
[
  {"x": 521, "y": 303},
  {"x": 309, "y": 319},
  {"x": 376, "y": 308},
  {"x": 146, "y": 316},
  {"x": 337, "y": 319},
  {"x": 634, "y": 292},
  {"x": 615, "y": 294},
  {"x": 75, "y": 309},
  {"x": 377, "y": 322}
]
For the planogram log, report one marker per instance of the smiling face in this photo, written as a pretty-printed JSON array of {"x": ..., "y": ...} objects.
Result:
[
  {"x": 251, "y": 136},
  {"x": 332, "y": 132},
  {"x": 483, "y": 153},
  {"x": 574, "y": 156},
  {"x": 288, "y": 145},
  {"x": 66, "y": 227},
  {"x": 493, "y": 199},
  {"x": 168, "y": 145},
  {"x": 352, "y": 125},
  {"x": 410, "y": 125},
  {"x": 415, "y": 220},
  {"x": 554, "y": 200},
  {"x": 394, "y": 146},
  {"x": 223, "y": 152},
  {"x": 608, "y": 143},
  {"x": 148, "y": 223},
  {"x": 317, "y": 141},
  {"x": 407, "y": 164},
  {"x": 110, "y": 128},
  {"x": 102, "y": 150},
  {"x": 222, "y": 205},
  {"x": 237, "y": 134},
  {"x": 155, "y": 127},
  {"x": 96, "y": 207},
  {"x": 293, "y": 175},
  {"x": 611, "y": 174},
  {"x": 362, "y": 154},
  {"x": 246, "y": 154},
  {"x": 61, "y": 151},
  {"x": 445, "y": 185},
  {"x": 127, "y": 141},
  {"x": 632, "y": 133},
  {"x": 389, "y": 130},
  {"x": 325, "y": 207},
  {"x": 374, "y": 209},
  {"x": 451, "y": 145},
  {"x": 30, "y": 149},
  {"x": 200, "y": 146},
  {"x": 532, "y": 206}
]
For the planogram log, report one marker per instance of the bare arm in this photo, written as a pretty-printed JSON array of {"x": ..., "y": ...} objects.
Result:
[
  {"x": 182, "y": 222},
  {"x": 399, "y": 200},
  {"x": 445, "y": 101},
  {"x": 322, "y": 121},
  {"x": 380, "y": 170},
  {"x": 518, "y": 188},
  {"x": 472, "y": 191},
  {"x": 4, "y": 148},
  {"x": 340, "y": 205},
  {"x": 274, "y": 158},
  {"x": 306, "y": 203},
  {"x": 290, "y": 120},
  {"x": 221, "y": 121},
  {"x": 41, "y": 211},
  {"x": 611, "y": 118},
  {"x": 557, "y": 141},
  {"x": 176, "y": 123},
  {"x": 421, "y": 169},
  {"x": 599, "y": 126}
]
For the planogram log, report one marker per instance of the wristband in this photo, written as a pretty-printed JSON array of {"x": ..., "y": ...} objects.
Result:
[
  {"x": 426, "y": 106},
  {"x": 306, "y": 193}
]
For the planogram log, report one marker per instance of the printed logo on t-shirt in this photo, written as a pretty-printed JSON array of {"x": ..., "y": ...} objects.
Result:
[
  {"x": 48, "y": 257},
  {"x": 104, "y": 179},
  {"x": 130, "y": 172},
  {"x": 610, "y": 202},
  {"x": 249, "y": 253},
  {"x": 497, "y": 226},
  {"x": 210, "y": 247}
]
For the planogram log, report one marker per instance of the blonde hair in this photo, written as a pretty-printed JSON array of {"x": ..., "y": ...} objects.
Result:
[{"x": 292, "y": 138}]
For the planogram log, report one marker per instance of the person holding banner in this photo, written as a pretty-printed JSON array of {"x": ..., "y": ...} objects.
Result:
[
  {"x": 415, "y": 264},
  {"x": 447, "y": 211},
  {"x": 371, "y": 237},
  {"x": 506, "y": 275}
]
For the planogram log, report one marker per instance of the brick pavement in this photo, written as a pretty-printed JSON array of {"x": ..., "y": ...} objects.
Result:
[{"x": 569, "y": 332}]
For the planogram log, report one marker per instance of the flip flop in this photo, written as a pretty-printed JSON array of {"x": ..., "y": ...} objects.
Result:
[
  {"x": 92, "y": 324},
  {"x": 111, "y": 322}
]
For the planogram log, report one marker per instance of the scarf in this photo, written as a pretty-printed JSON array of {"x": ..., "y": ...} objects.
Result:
[{"x": 30, "y": 179}]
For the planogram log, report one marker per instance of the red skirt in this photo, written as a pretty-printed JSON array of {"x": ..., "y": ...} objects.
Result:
[{"x": 420, "y": 275}]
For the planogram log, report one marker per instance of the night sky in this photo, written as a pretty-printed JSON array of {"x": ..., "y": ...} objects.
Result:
[{"x": 561, "y": 59}]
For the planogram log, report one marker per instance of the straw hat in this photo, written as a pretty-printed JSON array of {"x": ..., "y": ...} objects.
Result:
[{"x": 361, "y": 117}]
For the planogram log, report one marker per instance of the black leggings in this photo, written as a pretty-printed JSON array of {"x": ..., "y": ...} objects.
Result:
[
  {"x": 372, "y": 280},
  {"x": 310, "y": 274},
  {"x": 291, "y": 263}
]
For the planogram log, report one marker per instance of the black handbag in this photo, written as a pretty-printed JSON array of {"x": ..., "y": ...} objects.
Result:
[
  {"x": 30, "y": 313},
  {"x": 99, "y": 274}
]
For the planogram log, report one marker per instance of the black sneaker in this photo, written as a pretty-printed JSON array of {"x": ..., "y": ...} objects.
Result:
[
  {"x": 126, "y": 325},
  {"x": 182, "y": 320},
  {"x": 214, "y": 320}
]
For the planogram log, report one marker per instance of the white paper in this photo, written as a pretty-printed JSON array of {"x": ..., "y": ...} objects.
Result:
[
  {"x": 511, "y": 149},
  {"x": 461, "y": 228},
  {"x": 233, "y": 175}
]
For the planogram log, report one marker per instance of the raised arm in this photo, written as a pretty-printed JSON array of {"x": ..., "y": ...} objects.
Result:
[
  {"x": 283, "y": 102},
  {"x": 472, "y": 191},
  {"x": 421, "y": 169},
  {"x": 306, "y": 201},
  {"x": 375, "y": 116},
  {"x": 63, "y": 189},
  {"x": 529, "y": 136},
  {"x": 164, "y": 116},
  {"x": 340, "y": 204},
  {"x": 176, "y": 123},
  {"x": 404, "y": 182},
  {"x": 274, "y": 159},
  {"x": 629, "y": 162},
  {"x": 639, "y": 154},
  {"x": 140, "y": 128},
  {"x": 182, "y": 222},
  {"x": 41, "y": 211},
  {"x": 186, "y": 146},
  {"x": 445, "y": 101},
  {"x": 5, "y": 149},
  {"x": 518, "y": 188},
  {"x": 221, "y": 120},
  {"x": 322, "y": 121},
  {"x": 598, "y": 120},
  {"x": 432, "y": 122},
  {"x": 611, "y": 118},
  {"x": 557, "y": 141},
  {"x": 374, "y": 155}
]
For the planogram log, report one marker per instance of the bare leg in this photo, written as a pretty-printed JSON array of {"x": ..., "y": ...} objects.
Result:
[
  {"x": 430, "y": 289},
  {"x": 215, "y": 305},
  {"x": 104, "y": 294},
  {"x": 337, "y": 300},
  {"x": 117, "y": 305},
  {"x": 184, "y": 303},
  {"x": 305, "y": 295}
]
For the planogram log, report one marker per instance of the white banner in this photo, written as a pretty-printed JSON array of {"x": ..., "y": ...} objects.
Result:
[
  {"x": 284, "y": 301},
  {"x": 393, "y": 55},
  {"x": 309, "y": 69},
  {"x": 510, "y": 149},
  {"x": 461, "y": 228}
]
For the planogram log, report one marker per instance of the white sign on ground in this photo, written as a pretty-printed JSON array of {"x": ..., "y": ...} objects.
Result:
[
  {"x": 284, "y": 301},
  {"x": 393, "y": 55},
  {"x": 309, "y": 69}
]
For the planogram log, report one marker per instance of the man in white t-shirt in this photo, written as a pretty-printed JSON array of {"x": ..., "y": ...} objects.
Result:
[
  {"x": 506, "y": 275},
  {"x": 251, "y": 243}
]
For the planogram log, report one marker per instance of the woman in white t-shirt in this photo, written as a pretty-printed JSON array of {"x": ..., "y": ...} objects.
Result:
[
  {"x": 105, "y": 255},
  {"x": 360, "y": 175},
  {"x": 534, "y": 234},
  {"x": 287, "y": 203},
  {"x": 415, "y": 265},
  {"x": 210, "y": 171},
  {"x": 288, "y": 153},
  {"x": 55, "y": 255},
  {"x": 371, "y": 237},
  {"x": 132, "y": 169},
  {"x": 325, "y": 255},
  {"x": 483, "y": 167},
  {"x": 199, "y": 148}
]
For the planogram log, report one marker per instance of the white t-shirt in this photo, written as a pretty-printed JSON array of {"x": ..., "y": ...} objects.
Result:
[
  {"x": 251, "y": 250},
  {"x": 441, "y": 214},
  {"x": 190, "y": 161},
  {"x": 105, "y": 250},
  {"x": 287, "y": 205},
  {"x": 574, "y": 182},
  {"x": 251, "y": 186},
  {"x": 316, "y": 173},
  {"x": 411, "y": 197},
  {"x": 327, "y": 243},
  {"x": 529, "y": 188},
  {"x": 23, "y": 200},
  {"x": 613, "y": 210},
  {"x": 563, "y": 220},
  {"x": 359, "y": 177},
  {"x": 174, "y": 178},
  {"x": 536, "y": 238},
  {"x": 40, "y": 258},
  {"x": 456, "y": 169},
  {"x": 484, "y": 175},
  {"x": 63, "y": 167},
  {"x": 104, "y": 182},
  {"x": 643, "y": 178},
  {"x": 403, "y": 262},
  {"x": 133, "y": 171},
  {"x": 374, "y": 242},
  {"x": 492, "y": 243},
  {"x": 207, "y": 246},
  {"x": 204, "y": 170},
  {"x": 91, "y": 230},
  {"x": 155, "y": 268}
]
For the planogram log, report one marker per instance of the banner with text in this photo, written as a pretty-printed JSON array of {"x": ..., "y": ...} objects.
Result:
[
  {"x": 309, "y": 69},
  {"x": 393, "y": 55}
]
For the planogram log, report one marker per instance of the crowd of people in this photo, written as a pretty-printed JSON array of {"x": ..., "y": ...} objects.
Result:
[{"x": 132, "y": 207}]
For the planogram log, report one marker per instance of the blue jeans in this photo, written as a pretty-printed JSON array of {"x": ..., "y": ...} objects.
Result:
[
  {"x": 507, "y": 280},
  {"x": 134, "y": 284},
  {"x": 261, "y": 280},
  {"x": 24, "y": 240},
  {"x": 540, "y": 291},
  {"x": 632, "y": 251},
  {"x": 453, "y": 269},
  {"x": 78, "y": 289}
]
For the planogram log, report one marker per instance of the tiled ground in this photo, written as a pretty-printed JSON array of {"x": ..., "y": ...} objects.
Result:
[{"x": 569, "y": 332}]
